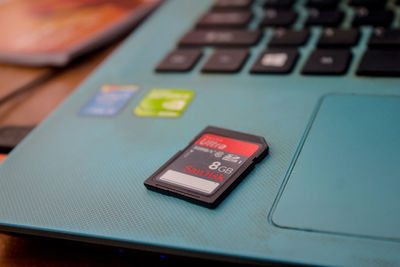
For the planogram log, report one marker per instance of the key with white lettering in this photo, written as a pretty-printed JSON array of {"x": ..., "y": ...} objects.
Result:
[
  {"x": 226, "y": 61},
  {"x": 179, "y": 60},
  {"x": 275, "y": 61},
  {"x": 220, "y": 38},
  {"x": 224, "y": 19},
  {"x": 328, "y": 62}
]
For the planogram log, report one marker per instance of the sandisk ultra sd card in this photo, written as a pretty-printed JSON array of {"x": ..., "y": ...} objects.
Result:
[{"x": 209, "y": 167}]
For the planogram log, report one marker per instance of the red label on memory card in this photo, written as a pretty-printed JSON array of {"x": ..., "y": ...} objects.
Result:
[{"x": 227, "y": 144}]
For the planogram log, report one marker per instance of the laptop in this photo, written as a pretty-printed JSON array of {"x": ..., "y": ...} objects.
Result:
[{"x": 318, "y": 80}]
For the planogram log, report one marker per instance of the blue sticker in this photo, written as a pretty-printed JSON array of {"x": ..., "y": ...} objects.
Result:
[{"x": 109, "y": 100}]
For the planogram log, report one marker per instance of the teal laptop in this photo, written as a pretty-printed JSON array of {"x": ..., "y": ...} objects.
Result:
[{"x": 318, "y": 80}]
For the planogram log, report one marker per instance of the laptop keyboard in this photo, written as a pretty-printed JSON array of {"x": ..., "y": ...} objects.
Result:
[{"x": 232, "y": 29}]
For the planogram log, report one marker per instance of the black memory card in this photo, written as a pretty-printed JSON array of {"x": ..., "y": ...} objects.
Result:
[{"x": 210, "y": 167}]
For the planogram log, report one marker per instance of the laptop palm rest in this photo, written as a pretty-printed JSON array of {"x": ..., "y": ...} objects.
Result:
[{"x": 345, "y": 178}]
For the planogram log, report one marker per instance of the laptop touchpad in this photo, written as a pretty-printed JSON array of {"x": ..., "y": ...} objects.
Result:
[{"x": 346, "y": 177}]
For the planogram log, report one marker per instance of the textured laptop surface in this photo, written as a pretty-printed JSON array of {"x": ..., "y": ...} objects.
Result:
[{"x": 327, "y": 193}]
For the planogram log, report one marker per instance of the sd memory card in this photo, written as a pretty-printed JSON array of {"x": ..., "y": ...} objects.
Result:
[{"x": 210, "y": 167}]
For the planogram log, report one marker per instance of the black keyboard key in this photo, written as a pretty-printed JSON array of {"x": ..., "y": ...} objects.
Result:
[
  {"x": 279, "y": 18},
  {"x": 232, "y": 4},
  {"x": 285, "y": 37},
  {"x": 368, "y": 3},
  {"x": 279, "y": 4},
  {"x": 329, "y": 62},
  {"x": 275, "y": 61},
  {"x": 322, "y": 4},
  {"x": 338, "y": 38},
  {"x": 220, "y": 38},
  {"x": 385, "y": 39},
  {"x": 380, "y": 63},
  {"x": 231, "y": 19},
  {"x": 324, "y": 17},
  {"x": 179, "y": 60},
  {"x": 226, "y": 61},
  {"x": 365, "y": 16}
]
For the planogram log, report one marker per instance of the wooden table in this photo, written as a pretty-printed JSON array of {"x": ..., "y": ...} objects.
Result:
[{"x": 34, "y": 105}]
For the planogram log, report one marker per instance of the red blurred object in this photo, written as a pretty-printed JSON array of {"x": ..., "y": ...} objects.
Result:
[{"x": 52, "y": 32}]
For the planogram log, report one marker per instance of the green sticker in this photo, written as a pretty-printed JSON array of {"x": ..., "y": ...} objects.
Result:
[{"x": 161, "y": 102}]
